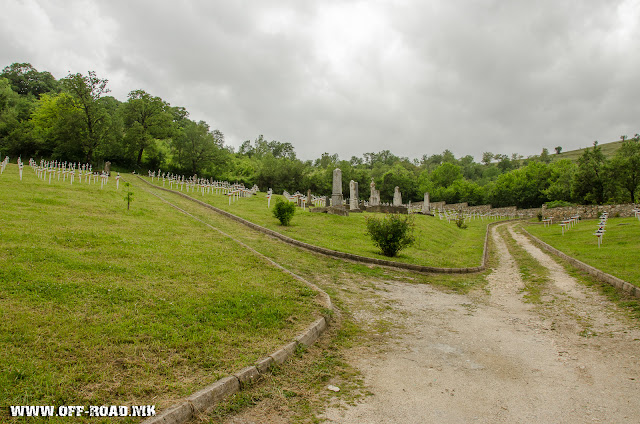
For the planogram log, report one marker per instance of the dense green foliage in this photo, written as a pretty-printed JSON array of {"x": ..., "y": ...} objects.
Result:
[
  {"x": 284, "y": 211},
  {"x": 391, "y": 233},
  {"x": 74, "y": 119}
]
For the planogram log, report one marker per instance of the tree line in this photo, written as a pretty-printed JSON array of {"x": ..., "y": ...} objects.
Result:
[{"x": 75, "y": 119}]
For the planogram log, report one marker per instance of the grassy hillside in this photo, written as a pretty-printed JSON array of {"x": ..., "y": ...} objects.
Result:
[
  {"x": 438, "y": 242},
  {"x": 100, "y": 305},
  {"x": 608, "y": 149}
]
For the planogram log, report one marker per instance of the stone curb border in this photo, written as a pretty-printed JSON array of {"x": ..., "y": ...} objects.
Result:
[
  {"x": 594, "y": 272},
  {"x": 343, "y": 255},
  {"x": 204, "y": 400}
]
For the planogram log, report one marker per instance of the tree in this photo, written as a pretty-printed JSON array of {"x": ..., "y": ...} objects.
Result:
[
  {"x": 26, "y": 80},
  {"x": 146, "y": 119},
  {"x": 625, "y": 168},
  {"x": 197, "y": 148},
  {"x": 544, "y": 156},
  {"x": 445, "y": 174},
  {"x": 86, "y": 90},
  {"x": 588, "y": 183},
  {"x": 400, "y": 177},
  {"x": 59, "y": 127},
  {"x": 560, "y": 181},
  {"x": 558, "y": 150},
  {"x": 16, "y": 135},
  {"x": 487, "y": 157}
]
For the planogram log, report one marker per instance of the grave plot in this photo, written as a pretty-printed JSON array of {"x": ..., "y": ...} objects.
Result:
[
  {"x": 103, "y": 306},
  {"x": 438, "y": 243},
  {"x": 616, "y": 251}
]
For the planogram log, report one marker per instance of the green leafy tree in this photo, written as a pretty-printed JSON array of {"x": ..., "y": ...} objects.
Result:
[
  {"x": 589, "y": 180},
  {"x": 560, "y": 181},
  {"x": 197, "y": 148},
  {"x": 544, "y": 156},
  {"x": 397, "y": 176},
  {"x": 146, "y": 119},
  {"x": 26, "y": 80},
  {"x": 58, "y": 125},
  {"x": 445, "y": 174},
  {"x": 16, "y": 135},
  {"x": 86, "y": 91},
  {"x": 391, "y": 233},
  {"x": 625, "y": 168}
]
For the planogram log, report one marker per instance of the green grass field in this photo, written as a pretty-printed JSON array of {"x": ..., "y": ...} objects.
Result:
[
  {"x": 100, "y": 305},
  {"x": 438, "y": 243},
  {"x": 619, "y": 254}
]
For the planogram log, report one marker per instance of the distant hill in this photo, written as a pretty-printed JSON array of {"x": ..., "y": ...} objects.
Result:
[{"x": 608, "y": 149}]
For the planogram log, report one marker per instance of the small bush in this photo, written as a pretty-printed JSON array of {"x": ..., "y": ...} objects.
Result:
[
  {"x": 391, "y": 233},
  {"x": 460, "y": 221},
  {"x": 539, "y": 215},
  {"x": 284, "y": 211}
]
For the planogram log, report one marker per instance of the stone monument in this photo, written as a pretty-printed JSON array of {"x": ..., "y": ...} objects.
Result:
[
  {"x": 107, "y": 168},
  {"x": 374, "y": 197},
  {"x": 426, "y": 206},
  {"x": 336, "y": 194},
  {"x": 353, "y": 195},
  {"x": 397, "y": 197}
]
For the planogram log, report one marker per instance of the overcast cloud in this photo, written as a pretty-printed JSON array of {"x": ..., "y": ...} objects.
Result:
[{"x": 349, "y": 77}]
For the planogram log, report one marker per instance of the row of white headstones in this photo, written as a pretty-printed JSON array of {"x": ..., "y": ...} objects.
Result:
[
  {"x": 62, "y": 170},
  {"x": 203, "y": 186}
]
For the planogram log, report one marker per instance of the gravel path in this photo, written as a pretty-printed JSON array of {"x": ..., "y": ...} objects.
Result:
[{"x": 489, "y": 357}]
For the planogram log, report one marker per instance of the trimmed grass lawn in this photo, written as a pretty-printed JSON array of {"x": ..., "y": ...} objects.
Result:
[
  {"x": 438, "y": 242},
  {"x": 100, "y": 305},
  {"x": 619, "y": 254}
]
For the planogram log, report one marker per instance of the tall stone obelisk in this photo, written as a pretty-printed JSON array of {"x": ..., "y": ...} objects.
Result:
[{"x": 336, "y": 195}]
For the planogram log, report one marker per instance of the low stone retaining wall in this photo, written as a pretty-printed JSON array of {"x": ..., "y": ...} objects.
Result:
[
  {"x": 589, "y": 211},
  {"x": 386, "y": 209},
  {"x": 594, "y": 272}
]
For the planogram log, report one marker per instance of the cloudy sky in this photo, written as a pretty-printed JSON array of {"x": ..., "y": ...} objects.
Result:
[{"x": 349, "y": 77}]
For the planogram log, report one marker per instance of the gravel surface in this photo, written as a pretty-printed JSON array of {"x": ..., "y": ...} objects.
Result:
[{"x": 489, "y": 357}]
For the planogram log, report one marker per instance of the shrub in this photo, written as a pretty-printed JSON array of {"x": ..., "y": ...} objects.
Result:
[
  {"x": 460, "y": 221},
  {"x": 284, "y": 211},
  {"x": 539, "y": 215},
  {"x": 391, "y": 233}
]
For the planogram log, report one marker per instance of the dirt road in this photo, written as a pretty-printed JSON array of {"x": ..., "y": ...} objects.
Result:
[{"x": 490, "y": 357}]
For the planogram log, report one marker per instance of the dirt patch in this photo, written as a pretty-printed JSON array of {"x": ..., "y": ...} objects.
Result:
[{"x": 489, "y": 357}]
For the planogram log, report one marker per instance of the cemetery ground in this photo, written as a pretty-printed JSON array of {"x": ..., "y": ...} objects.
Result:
[
  {"x": 530, "y": 340},
  {"x": 100, "y": 305},
  {"x": 402, "y": 347},
  {"x": 438, "y": 242}
]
